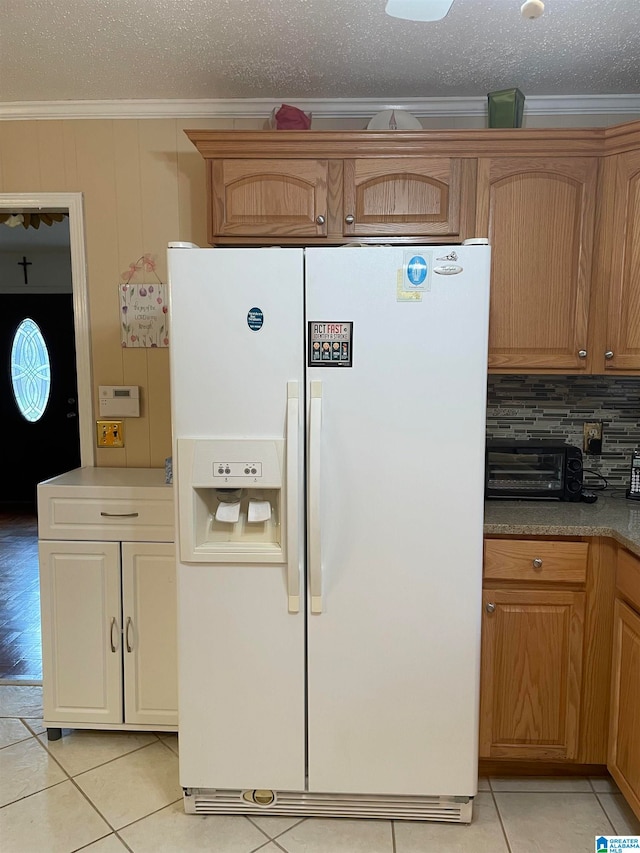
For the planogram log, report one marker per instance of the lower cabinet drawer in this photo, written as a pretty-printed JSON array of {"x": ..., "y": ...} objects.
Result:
[
  {"x": 535, "y": 562},
  {"x": 92, "y": 517}
]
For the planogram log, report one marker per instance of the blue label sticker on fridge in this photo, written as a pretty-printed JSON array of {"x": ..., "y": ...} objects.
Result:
[
  {"x": 330, "y": 343},
  {"x": 255, "y": 319},
  {"x": 416, "y": 271}
]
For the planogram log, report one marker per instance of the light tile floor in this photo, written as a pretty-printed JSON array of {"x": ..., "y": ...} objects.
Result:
[{"x": 107, "y": 792}]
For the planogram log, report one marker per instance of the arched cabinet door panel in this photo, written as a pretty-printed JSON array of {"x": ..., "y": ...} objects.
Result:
[
  {"x": 413, "y": 196},
  {"x": 622, "y": 344},
  {"x": 539, "y": 216},
  {"x": 267, "y": 198}
]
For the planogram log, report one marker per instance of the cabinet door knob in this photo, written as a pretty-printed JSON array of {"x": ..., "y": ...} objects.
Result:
[
  {"x": 320, "y": 219},
  {"x": 608, "y": 354},
  {"x": 350, "y": 219},
  {"x": 582, "y": 353},
  {"x": 490, "y": 607},
  {"x": 537, "y": 563}
]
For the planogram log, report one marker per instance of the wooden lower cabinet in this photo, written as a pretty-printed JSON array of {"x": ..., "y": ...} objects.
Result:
[
  {"x": 624, "y": 727},
  {"x": 531, "y": 673}
]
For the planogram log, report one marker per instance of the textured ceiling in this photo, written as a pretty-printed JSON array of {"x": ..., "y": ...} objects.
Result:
[{"x": 287, "y": 49}]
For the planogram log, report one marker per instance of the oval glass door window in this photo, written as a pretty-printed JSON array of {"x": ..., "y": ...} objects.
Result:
[{"x": 30, "y": 370}]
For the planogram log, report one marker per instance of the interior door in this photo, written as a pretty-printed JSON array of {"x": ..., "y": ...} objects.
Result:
[
  {"x": 395, "y": 512},
  {"x": 38, "y": 389}
]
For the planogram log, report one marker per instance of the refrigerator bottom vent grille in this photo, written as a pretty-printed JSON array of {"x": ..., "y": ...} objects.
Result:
[{"x": 451, "y": 809}]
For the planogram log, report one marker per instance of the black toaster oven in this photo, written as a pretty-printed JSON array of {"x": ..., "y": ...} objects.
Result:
[{"x": 535, "y": 470}]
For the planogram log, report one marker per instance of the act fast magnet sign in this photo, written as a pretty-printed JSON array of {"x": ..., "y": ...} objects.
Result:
[
  {"x": 330, "y": 343},
  {"x": 416, "y": 271}
]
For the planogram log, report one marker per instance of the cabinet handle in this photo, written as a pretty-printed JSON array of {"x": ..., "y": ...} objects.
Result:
[
  {"x": 350, "y": 219},
  {"x": 119, "y": 514},
  {"x": 582, "y": 353},
  {"x": 320, "y": 219},
  {"x": 129, "y": 626},
  {"x": 114, "y": 624},
  {"x": 490, "y": 607},
  {"x": 608, "y": 354},
  {"x": 537, "y": 563}
]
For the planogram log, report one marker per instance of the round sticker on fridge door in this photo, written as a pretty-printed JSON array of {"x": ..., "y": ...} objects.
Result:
[
  {"x": 417, "y": 270},
  {"x": 255, "y": 319}
]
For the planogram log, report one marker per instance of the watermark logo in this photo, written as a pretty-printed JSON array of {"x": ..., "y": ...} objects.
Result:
[{"x": 616, "y": 843}]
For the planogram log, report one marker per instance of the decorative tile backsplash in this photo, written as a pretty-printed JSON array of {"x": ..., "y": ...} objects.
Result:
[{"x": 556, "y": 407}]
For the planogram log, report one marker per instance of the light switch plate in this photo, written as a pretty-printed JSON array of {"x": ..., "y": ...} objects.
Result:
[{"x": 110, "y": 433}]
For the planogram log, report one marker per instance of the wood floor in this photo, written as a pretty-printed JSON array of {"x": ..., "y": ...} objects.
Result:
[{"x": 20, "y": 649}]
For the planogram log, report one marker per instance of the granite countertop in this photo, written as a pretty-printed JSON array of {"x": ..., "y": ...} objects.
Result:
[{"x": 609, "y": 516}]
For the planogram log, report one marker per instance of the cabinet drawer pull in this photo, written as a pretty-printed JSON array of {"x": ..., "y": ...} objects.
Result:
[
  {"x": 119, "y": 514},
  {"x": 127, "y": 635},
  {"x": 350, "y": 219},
  {"x": 490, "y": 607},
  {"x": 320, "y": 219},
  {"x": 114, "y": 624},
  {"x": 582, "y": 353},
  {"x": 608, "y": 354},
  {"x": 537, "y": 563}
]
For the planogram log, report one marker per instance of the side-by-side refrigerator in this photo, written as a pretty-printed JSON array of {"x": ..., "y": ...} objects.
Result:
[{"x": 328, "y": 410}]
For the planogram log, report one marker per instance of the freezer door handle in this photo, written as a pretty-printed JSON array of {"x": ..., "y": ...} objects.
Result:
[
  {"x": 315, "y": 554},
  {"x": 293, "y": 555}
]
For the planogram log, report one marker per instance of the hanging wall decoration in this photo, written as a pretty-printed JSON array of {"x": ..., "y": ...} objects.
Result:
[{"x": 143, "y": 308}]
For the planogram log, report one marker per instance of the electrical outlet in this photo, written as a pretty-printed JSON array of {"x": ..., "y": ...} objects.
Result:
[
  {"x": 592, "y": 437},
  {"x": 110, "y": 433}
]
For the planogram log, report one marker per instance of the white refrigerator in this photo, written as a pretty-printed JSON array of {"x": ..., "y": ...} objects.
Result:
[{"x": 328, "y": 409}]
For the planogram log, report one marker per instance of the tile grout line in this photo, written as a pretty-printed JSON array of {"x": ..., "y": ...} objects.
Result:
[
  {"x": 144, "y": 817},
  {"x": 72, "y": 779},
  {"x": 606, "y": 814},
  {"x": 272, "y": 837},
  {"x": 502, "y": 826},
  {"x": 74, "y": 783},
  {"x": 393, "y": 836},
  {"x": 104, "y": 763}
]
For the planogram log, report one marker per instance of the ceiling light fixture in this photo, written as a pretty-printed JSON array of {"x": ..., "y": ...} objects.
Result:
[{"x": 418, "y": 10}]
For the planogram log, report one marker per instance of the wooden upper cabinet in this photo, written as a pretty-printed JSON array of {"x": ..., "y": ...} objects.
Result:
[
  {"x": 539, "y": 216},
  {"x": 622, "y": 344},
  {"x": 268, "y": 198},
  {"x": 417, "y": 196}
]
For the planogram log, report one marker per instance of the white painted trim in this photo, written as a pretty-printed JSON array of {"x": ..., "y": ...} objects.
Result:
[
  {"x": 73, "y": 202},
  {"x": 320, "y": 107}
]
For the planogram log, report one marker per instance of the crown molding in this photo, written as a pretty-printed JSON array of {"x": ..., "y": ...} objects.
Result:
[{"x": 260, "y": 108}]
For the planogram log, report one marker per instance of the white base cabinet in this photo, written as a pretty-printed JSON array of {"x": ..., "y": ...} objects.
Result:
[{"x": 109, "y": 634}]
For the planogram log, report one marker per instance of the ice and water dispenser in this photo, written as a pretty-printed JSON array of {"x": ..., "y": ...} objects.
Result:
[{"x": 231, "y": 500}]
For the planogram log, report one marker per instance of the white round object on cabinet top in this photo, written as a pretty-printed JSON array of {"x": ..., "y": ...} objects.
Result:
[
  {"x": 394, "y": 120},
  {"x": 532, "y": 9}
]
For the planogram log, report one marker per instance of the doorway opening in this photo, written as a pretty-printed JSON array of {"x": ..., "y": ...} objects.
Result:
[{"x": 46, "y": 393}]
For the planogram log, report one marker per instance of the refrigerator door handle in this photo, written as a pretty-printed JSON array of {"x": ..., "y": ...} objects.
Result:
[
  {"x": 315, "y": 554},
  {"x": 293, "y": 464}
]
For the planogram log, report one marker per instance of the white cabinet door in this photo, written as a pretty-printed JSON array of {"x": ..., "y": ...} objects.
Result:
[
  {"x": 149, "y": 633},
  {"x": 81, "y": 631}
]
